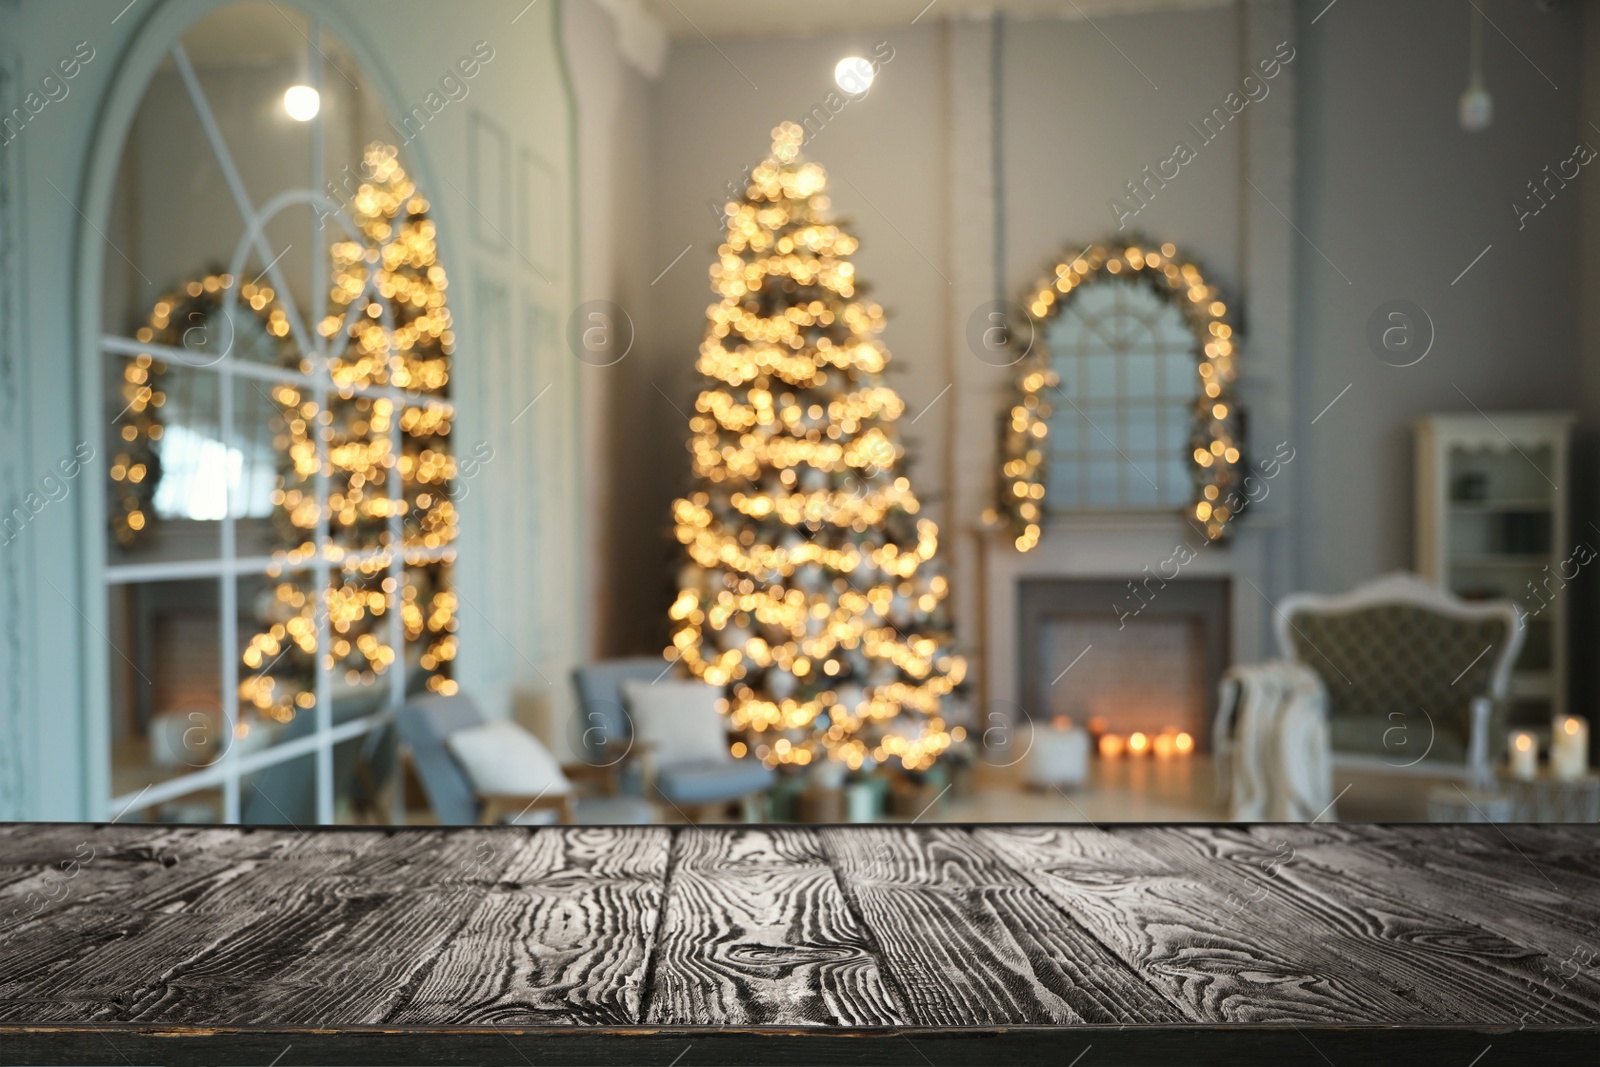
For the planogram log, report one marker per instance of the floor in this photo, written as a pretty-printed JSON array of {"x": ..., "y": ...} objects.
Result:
[
  {"x": 1121, "y": 790},
  {"x": 1176, "y": 790},
  {"x": 1144, "y": 790},
  {"x": 1138, "y": 790}
]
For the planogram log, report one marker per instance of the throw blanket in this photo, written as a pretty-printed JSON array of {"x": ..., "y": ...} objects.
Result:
[{"x": 1279, "y": 746}]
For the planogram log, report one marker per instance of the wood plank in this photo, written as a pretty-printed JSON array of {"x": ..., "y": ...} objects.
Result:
[
  {"x": 1220, "y": 960},
  {"x": 1487, "y": 879},
  {"x": 564, "y": 938},
  {"x": 116, "y": 880},
  {"x": 966, "y": 941},
  {"x": 757, "y": 932},
  {"x": 1474, "y": 888},
  {"x": 1567, "y": 867},
  {"x": 1397, "y": 933},
  {"x": 205, "y": 933},
  {"x": 1188, "y": 1045}
]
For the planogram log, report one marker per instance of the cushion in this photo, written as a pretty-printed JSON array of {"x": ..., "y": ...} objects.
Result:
[
  {"x": 1399, "y": 742},
  {"x": 501, "y": 757},
  {"x": 599, "y": 688},
  {"x": 679, "y": 718}
]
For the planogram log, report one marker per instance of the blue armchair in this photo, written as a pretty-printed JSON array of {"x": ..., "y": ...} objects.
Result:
[
  {"x": 425, "y": 725},
  {"x": 694, "y": 787}
]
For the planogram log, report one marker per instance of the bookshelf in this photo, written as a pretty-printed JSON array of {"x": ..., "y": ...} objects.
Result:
[{"x": 1492, "y": 523}]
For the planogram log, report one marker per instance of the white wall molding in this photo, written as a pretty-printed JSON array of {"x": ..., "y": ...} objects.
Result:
[
  {"x": 641, "y": 38},
  {"x": 16, "y": 665}
]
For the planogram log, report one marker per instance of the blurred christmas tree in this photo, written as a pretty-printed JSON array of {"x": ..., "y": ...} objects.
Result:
[
  {"x": 385, "y": 450},
  {"x": 812, "y": 592}
]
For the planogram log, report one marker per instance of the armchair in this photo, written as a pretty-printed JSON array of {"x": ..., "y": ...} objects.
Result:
[
  {"x": 1395, "y": 647},
  {"x": 693, "y": 786},
  {"x": 426, "y": 724}
]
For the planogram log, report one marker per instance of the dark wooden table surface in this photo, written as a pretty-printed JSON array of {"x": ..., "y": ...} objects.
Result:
[{"x": 905, "y": 945}]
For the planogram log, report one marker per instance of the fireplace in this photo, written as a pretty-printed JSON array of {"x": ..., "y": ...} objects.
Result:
[{"x": 1139, "y": 656}]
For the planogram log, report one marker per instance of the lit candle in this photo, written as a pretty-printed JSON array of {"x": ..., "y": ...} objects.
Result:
[
  {"x": 1569, "y": 748},
  {"x": 1110, "y": 746},
  {"x": 1165, "y": 744},
  {"x": 1524, "y": 755},
  {"x": 1138, "y": 743},
  {"x": 1184, "y": 743}
]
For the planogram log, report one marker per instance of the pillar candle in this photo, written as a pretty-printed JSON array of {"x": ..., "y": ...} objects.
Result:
[
  {"x": 1524, "y": 755},
  {"x": 1569, "y": 748}
]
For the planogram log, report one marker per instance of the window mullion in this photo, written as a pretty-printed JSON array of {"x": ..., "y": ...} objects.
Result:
[
  {"x": 241, "y": 196},
  {"x": 228, "y": 599}
]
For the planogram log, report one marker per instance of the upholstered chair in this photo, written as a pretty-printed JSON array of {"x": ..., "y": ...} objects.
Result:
[
  {"x": 693, "y": 783},
  {"x": 427, "y": 725},
  {"x": 1417, "y": 679}
]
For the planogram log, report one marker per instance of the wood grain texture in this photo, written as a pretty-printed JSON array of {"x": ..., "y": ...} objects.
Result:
[
  {"x": 757, "y": 932},
  {"x": 1210, "y": 947},
  {"x": 517, "y": 945},
  {"x": 1472, "y": 885},
  {"x": 562, "y": 938},
  {"x": 319, "y": 919},
  {"x": 1393, "y": 931},
  {"x": 1004, "y": 954}
]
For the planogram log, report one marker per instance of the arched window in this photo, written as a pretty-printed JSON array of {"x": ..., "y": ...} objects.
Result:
[
  {"x": 1125, "y": 400},
  {"x": 277, "y": 356}
]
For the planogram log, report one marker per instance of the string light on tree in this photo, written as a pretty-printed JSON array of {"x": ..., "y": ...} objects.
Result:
[
  {"x": 812, "y": 592},
  {"x": 1215, "y": 448},
  {"x": 194, "y": 319},
  {"x": 387, "y": 418}
]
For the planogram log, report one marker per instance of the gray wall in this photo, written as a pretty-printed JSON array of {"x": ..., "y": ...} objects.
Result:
[
  {"x": 1389, "y": 188},
  {"x": 1079, "y": 122},
  {"x": 1586, "y": 465},
  {"x": 1401, "y": 199}
]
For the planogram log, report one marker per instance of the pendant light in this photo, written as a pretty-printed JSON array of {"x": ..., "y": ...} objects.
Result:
[{"x": 1476, "y": 109}]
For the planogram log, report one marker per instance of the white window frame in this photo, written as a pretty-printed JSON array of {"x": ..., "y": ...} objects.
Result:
[{"x": 230, "y": 768}]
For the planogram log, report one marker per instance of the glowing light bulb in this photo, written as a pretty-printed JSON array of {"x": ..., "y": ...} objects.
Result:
[
  {"x": 854, "y": 75},
  {"x": 302, "y": 102},
  {"x": 1475, "y": 111}
]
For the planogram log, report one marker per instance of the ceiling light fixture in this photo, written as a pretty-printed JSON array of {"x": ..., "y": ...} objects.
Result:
[
  {"x": 1476, "y": 109},
  {"x": 302, "y": 102},
  {"x": 854, "y": 75}
]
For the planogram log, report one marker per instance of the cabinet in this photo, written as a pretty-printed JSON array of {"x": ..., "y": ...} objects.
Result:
[{"x": 1492, "y": 523}]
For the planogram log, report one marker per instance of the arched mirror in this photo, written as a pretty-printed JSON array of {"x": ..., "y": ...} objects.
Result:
[
  {"x": 276, "y": 355},
  {"x": 1125, "y": 401}
]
